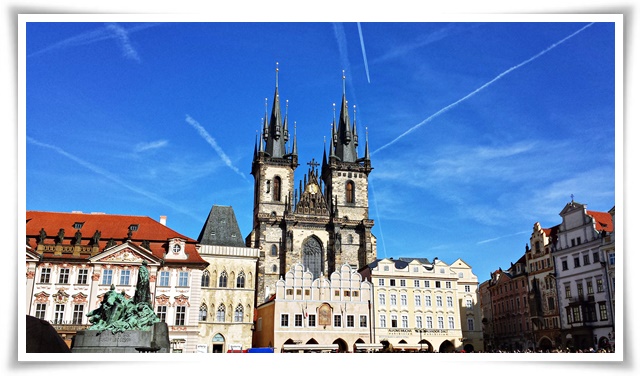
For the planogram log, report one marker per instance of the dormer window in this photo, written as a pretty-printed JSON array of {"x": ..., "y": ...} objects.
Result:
[
  {"x": 133, "y": 227},
  {"x": 78, "y": 225},
  {"x": 177, "y": 248}
]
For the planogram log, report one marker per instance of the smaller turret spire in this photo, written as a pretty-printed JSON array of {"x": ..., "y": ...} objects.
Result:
[{"x": 295, "y": 140}]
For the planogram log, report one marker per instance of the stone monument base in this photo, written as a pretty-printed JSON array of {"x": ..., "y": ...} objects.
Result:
[{"x": 156, "y": 339}]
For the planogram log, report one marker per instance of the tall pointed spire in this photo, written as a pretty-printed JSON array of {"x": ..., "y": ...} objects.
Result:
[
  {"x": 345, "y": 146},
  {"x": 295, "y": 140},
  {"x": 276, "y": 135}
]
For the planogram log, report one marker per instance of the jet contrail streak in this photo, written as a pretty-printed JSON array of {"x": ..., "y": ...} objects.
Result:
[
  {"x": 479, "y": 89},
  {"x": 375, "y": 203},
  {"x": 364, "y": 53},
  {"x": 111, "y": 177},
  {"x": 211, "y": 141}
]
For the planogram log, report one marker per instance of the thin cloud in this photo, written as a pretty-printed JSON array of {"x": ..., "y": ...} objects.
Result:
[
  {"x": 123, "y": 37},
  {"x": 112, "y": 177},
  {"x": 211, "y": 141},
  {"x": 144, "y": 146},
  {"x": 454, "y": 104},
  {"x": 94, "y": 36},
  {"x": 338, "y": 31}
]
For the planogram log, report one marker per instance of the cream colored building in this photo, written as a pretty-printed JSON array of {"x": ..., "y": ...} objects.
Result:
[
  {"x": 228, "y": 285},
  {"x": 316, "y": 315},
  {"x": 417, "y": 304}
]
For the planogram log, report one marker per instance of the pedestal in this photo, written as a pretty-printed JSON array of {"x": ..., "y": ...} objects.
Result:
[{"x": 156, "y": 339}]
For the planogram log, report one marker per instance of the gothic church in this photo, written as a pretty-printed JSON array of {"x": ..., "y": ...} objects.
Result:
[{"x": 324, "y": 223}]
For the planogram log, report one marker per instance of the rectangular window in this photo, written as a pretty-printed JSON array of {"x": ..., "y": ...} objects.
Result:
[
  {"x": 419, "y": 322},
  {"x": 567, "y": 291},
  {"x": 382, "y": 299},
  {"x": 447, "y": 284},
  {"x": 470, "y": 325},
  {"x": 585, "y": 259},
  {"x": 58, "y": 317},
  {"x": 565, "y": 266},
  {"x": 580, "y": 290},
  {"x": 416, "y": 283},
  {"x": 125, "y": 275},
  {"x": 297, "y": 320},
  {"x": 289, "y": 292},
  {"x": 467, "y": 288},
  {"x": 83, "y": 276},
  {"x": 337, "y": 321},
  {"x": 403, "y": 299},
  {"x": 418, "y": 300},
  {"x": 181, "y": 313},
  {"x": 576, "y": 262},
  {"x": 612, "y": 259},
  {"x": 427, "y": 301},
  {"x": 426, "y": 283},
  {"x": 394, "y": 321},
  {"x": 383, "y": 321},
  {"x": 45, "y": 275},
  {"x": 603, "y": 312},
  {"x": 405, "y": 321},
  {"x": 440, "y": 322},
  {"x": 183, "y": 279},
  {"x": 599, "y": 285},
  {"x": 78, "y": 313},
  {"x": 40, "y": 310},
  {"x": 437, "y": 284},
  {"x": 380, "y": 282},
  {"x": 429, "y": 322},
  {"x": 351, "y": 321},
  {"x": 403, "y": 283},
  {"x": 552, "y": 303},
  {"x": 451, "y": 323},
  {"x": 107, "y": 276},
  {"x": 161, "y": 312},
  {"x": 596, "y": 257},
  {"x": 469, "y": 304},
  {"x": 392, "y": 299},
  {"x": 164, "y": 279},
  {"x": 449, "y": 301},
  {"x": 438, "y": 301},
  {"x": 64, "y": 276},
  {"x": 312, "y": 320},
  {"x": 589, "y": 288},
  {"x": 347, "y": 293},
  {"x": 392, "y": 282},
  {"x": 363, "y": 321},
  {"x": 576, "y": 314},
  {"x": 336, "y": 293},
  {"x": 284, "y": 320}
]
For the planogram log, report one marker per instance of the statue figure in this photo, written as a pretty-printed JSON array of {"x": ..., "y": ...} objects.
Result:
[
  {"x": 60, "y": 236},
  {"x": 117, "y": 313},
  {"x": 42, "y": 236},
  {"x": 78, "y": 237},
  {"x": 96, "y": 237}
]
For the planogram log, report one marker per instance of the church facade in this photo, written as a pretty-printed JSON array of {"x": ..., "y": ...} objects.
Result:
[{"x": 322, "y": 223}]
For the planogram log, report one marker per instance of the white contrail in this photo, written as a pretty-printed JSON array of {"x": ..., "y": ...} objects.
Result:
[
  {"x": 375, "y": 203},
  {"x": 112, "y": 177},
  {"x": 338, "y": 31},
  {"x": 364, "y": 53},
  {"x": 89, "y": 37},
  {"x": 501, "y": 237},
  {"x": 207, "y": 137},
  {"x": 479, "y": 89},
  {"x": 123, "y": 36}
]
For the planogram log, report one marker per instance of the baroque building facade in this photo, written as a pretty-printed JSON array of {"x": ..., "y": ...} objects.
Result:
[
  {"x": 73, "y": 259},
  {"x": 226, "y": 310},
  {"x": 324, "y": 223},
  {"x": 426, "y": 306}
]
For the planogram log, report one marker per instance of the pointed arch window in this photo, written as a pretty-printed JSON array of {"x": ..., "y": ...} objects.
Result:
[
  {"x": 206, "y": 279},
  {"x": 220, "y": 313},
  {"x": 203, "y": 313},
  {"x": 240, "y": 281},
  {"x": 274, "y": 250},
  {"x": 277, "y": 182},
  {"x": 238, "y": 314},
  {"x": 350, "y": 193},
  {"x": 312, "y": 257},
  {"x": 223, "y": 279}
]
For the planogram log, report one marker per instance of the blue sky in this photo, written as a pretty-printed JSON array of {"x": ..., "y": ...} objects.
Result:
[{"x": 477, "y": 129}]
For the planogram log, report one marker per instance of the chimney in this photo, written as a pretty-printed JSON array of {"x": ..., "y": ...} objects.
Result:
[{"x": 163, "y": 219}]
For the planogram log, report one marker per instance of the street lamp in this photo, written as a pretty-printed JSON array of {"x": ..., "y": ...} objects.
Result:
[{"x": 421, "y": 330}]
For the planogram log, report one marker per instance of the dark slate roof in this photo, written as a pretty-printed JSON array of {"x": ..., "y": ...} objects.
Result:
[
  {"x": 221, "y": 228},
  {"x": 421, "y": 260}
]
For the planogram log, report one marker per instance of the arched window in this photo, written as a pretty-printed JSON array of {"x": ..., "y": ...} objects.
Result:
[
  {"x": 220, "y": 313},
  {"x": 203, "y": 313},
  {"x": 312, "y": 256},
  {"x": 237, "y": 315},
  {"x": 350, "y": 193},
  {"x": 223, "y": 279},
  {"x": 276, "y": 188},
  {"x": 274, "y": 250},
  {"x": 274, "y": 268},
  {"x": 240, "y": 281},
  {"x": 205, "y": 279}
]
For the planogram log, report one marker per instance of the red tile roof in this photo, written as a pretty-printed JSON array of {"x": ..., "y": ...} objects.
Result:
[
  {"x": 111, "y": 226},
  {"x": 603, "y": 220}
]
